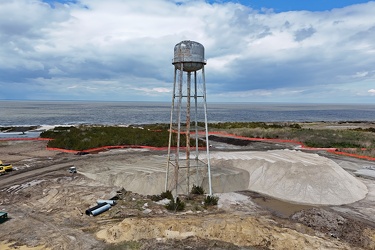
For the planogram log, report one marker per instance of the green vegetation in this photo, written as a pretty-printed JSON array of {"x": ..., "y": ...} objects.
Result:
[
  {"x": 164, "y": 195},
  {"x": 320, "y": 138},
  {"x": 176, "y": 206},
  {"x": 232, "y": 125},
  {"x": 86, "y": 137},
  {"x": 211, "y": 200},
  {"x": 157, "y": 135},
  {"x": 197, "y": 190},
  {"x": 365, "y": 129},
  {"x": 128, "y": 245},
  {"x": 195, "y": 201}
]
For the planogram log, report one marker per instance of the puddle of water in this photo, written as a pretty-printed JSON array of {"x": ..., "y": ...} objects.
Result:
[
  {"x": 27, "y": 134},
  {"x": 277, "y": 207}
]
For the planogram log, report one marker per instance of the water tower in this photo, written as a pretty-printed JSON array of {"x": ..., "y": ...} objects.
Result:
[{"x": 189, "y": 97}]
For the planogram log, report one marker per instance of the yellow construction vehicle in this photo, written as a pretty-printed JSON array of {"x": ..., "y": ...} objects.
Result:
[{"x": 5, "y": 167}]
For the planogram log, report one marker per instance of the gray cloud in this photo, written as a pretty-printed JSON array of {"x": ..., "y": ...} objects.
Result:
[
  {"x": 122, "y": 50},
  {"x": 303, "y": 34}
]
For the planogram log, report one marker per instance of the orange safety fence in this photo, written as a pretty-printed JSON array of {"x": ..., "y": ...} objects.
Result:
[
  {"x": 63, "y": 150},
  {"x": 365, "y": 157}
]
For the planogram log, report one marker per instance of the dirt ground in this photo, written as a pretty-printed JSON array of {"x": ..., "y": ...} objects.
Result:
[{"x": 46, "y": 206}]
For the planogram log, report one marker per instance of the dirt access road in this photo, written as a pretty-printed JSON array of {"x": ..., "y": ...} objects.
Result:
[
  {"x": 20, "y": 177},
  {"x": 44, "y": 196}
]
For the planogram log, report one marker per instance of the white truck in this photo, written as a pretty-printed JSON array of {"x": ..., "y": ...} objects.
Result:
[{"x": 72, "y": 170}]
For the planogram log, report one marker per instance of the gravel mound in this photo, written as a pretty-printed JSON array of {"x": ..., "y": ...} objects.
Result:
[{"x": 295, "y": 176}]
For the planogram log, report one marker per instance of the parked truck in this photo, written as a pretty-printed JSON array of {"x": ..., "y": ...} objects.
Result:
[{"x": 72, "y": 170}]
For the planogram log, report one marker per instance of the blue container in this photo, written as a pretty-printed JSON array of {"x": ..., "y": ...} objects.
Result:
[{"x": 110, "y": 202}]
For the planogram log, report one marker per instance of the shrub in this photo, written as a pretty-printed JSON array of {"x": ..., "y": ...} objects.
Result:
[
  {"x": 197, "y": 190},
  {"x": 156, "y": 197},
  {"x": 211, "y": 200},
  {"x": 176, "y": 206},
  {"x": 295, "y": 125},
  {"x": 167, "y": 194},
  {"x": 164, "y": 195}
]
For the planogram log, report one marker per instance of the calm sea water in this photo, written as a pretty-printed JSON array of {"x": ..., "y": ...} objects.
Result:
[{"x": 16, "y": 113}]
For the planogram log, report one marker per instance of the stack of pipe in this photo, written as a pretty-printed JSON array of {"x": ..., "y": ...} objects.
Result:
[{"x": 103, "y": 205}]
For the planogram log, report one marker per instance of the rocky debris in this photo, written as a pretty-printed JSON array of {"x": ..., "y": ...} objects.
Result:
[{"x": 336, "y": 226}]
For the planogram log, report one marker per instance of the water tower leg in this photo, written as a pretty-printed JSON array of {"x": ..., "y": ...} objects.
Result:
[
  {"x": 206, "y": 131},
  {"x": 188, "y": 130},
  {"x": 170, "y": 131},
  {"x": 196, "y": 127},
  {"x": 177, "y": 166}
]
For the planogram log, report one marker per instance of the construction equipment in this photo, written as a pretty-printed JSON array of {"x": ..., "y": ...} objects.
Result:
[
  {"x": 3, "y": 216},
  {"x": 72, "y": 170},
  {"x": 6, "y": 167}
]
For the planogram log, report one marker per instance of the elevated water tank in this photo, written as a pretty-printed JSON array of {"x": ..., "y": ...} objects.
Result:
[{"x": 190, "y": 54}]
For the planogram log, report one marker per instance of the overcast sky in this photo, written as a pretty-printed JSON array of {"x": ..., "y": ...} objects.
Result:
[{"x": 320, "y": 51}]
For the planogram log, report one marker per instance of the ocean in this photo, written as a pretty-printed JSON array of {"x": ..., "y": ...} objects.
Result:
[{"x": 25, "y": 113}]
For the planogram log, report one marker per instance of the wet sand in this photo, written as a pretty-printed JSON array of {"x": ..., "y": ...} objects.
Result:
[{"x": 282, "y": 209}]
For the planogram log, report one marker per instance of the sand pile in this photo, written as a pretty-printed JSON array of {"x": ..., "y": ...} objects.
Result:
[
  {"x": 239, "y": 230},
  {"x": 294, "y": 176},
  {"x": 145, "y": 174},
  {"x": 288, "y": 175}
]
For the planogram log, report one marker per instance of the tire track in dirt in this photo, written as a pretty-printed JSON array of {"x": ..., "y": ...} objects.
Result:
[{"x": 9, "y": 180}]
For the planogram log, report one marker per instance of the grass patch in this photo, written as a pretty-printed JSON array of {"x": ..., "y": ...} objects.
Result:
[
  {"x": 126, "y": 245},
  {"x": 86, "y": 137},
  {"x": 342, "y": 139}
]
